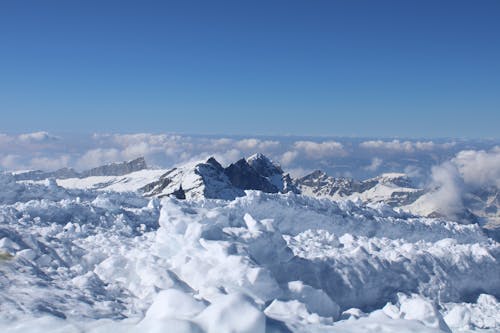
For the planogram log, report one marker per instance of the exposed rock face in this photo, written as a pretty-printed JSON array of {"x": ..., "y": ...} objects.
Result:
[
  {"x": 113, "y": 169},
  {"x": 273, "y": 173},
  {"x": 245, "y": 177},
  {"x": 288, "y": 185},
  {"x": 40, "y": 175},
  {"x": 264, "y": 166},
  {"x": 117, "y": 169},
  {"x": 318, "y": 183}
]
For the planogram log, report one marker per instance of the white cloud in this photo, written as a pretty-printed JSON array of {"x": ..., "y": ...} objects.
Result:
[
  {"x": 166, "y": 150},
  {"x": 256, "y": 145},
  {"x": 452, "y": 179},
  {"x": 140, "y": 149},
  {"x": 10, "y": 162},
  {"x": 50, "y": 163},
  {"x": 315, "y": 150},
  {"x": 375, "y": 164},
  {"x": 298, "y": 172},
  {"x": 5, "y": 139},
  {"x": 447, "y": 195},
  {"x": 37, "y": 137},
  {"x": 288, "y": 157},
  {"x": 413, "y": 171},
  {"x": 228, "y": 157},
  {"x": 99, "y": 156},
  {"x": 179, "y": 149},
  {"x": 394, "y": 145},
  {"x": 222, "y": 142},
  {"x": 479, "y": 168},
  {"x": 405, "y": 146}
]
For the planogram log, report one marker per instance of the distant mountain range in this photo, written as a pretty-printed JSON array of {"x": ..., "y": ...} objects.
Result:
[
  {"x": 112, "y": 169},
  {"x": 210, "y": 180}
]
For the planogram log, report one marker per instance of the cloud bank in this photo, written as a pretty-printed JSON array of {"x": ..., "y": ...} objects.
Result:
[
  {"x": 337, "y": 156},
  {"x": 452, "y": 181}
]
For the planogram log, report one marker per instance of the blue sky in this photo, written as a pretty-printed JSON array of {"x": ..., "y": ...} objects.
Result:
[{"x": 335, "y": 68}]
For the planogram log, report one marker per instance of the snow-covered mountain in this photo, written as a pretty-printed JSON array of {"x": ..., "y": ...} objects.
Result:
[
  {"x": 194, "y": 181},
  {"x": 210, "y": 180},
  {"x": 394, "y": 189}
]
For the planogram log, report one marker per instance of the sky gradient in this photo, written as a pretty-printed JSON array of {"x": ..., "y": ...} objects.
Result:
[{"x": 339, "y": 68}]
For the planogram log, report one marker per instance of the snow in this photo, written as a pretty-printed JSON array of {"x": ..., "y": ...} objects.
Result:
[
  {"x": 84, "y": 259},
  {"x": 127, "y": 183}
]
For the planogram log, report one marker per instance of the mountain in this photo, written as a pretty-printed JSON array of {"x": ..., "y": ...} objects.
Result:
[
  {"x": 394, "y": 189},
  {"x": 116, "y": 169},
  {"x": 243, "y": 176},
  {"x": 112, "y": 169},
  {"x": 195, "y": 181},
  {"x": 319, "y": 184},
  {"x": 210, "y": 180},
  {"x": 272, "y": 172}
]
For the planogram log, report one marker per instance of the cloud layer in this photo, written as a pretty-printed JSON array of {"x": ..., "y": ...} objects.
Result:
[
  {"x": 339, "y": 156},
  {"x": 452, "y": 181}
]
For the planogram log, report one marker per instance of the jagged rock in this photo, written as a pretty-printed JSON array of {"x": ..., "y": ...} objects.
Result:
[
  {"x": 116, "y": 169},
  {"x": 243, "y": 176},
  {"x": 272, "y": 172},
  {"x": 63, "y": 173},
  {"x": 318, "y": 183},
  {"x": 113, "y": 169},
  {"x": 263, "y": 165}
]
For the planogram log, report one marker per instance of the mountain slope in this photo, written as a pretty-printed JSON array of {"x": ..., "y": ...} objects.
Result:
[{"x": 195, "y": 181}]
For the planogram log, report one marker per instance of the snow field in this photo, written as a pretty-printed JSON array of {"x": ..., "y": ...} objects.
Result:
[{"x": 88, "y": 261}]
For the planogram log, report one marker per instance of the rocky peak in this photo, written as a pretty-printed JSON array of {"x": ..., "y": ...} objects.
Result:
[
  {"x": 213, "y": 162},
  {"x": 263, "y": 165},
  {"x": 243, "y": 176}
]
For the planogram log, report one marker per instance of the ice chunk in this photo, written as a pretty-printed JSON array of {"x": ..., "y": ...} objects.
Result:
[
  {"x": 172, "y": 303},
  {"x": 458, "y": 317},
  {"x": 232, "y": 313},
  {"x": 315, "y": 300},
  {"x": 418, "y": 308}
]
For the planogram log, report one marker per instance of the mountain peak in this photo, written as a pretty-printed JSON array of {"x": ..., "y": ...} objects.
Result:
[
  {"x": 246, "y": 177},
  {"x": 263, "y": 165},
  {"x": 212, "y": 161}
]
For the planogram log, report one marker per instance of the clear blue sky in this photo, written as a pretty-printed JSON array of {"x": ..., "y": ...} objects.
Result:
[{"x": 365, "y": 68}]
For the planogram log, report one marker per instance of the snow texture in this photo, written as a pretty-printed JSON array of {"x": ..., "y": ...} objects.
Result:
[{"x": 94, "y": 260}]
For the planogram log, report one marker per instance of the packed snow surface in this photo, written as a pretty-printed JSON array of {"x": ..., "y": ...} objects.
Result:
[{"x": 93, "y": 260}]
